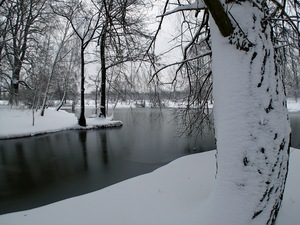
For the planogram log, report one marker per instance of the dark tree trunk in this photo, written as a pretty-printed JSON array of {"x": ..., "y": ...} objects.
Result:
[
  {"x": 103, "y": 75},
  {"x": 220, "y": 17},
  {"x": 81, "y": 120},
  {"x": 61, "y": 101},
  {"x": 15, "y": 81}
]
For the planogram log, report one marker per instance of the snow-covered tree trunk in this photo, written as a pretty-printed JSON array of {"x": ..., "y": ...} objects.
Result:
[{"x": 251, "y": 120}]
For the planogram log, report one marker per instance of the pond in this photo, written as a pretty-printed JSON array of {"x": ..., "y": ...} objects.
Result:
[
  {"x": 39, "y": 170},
  {"x": 44, "y": 169}
]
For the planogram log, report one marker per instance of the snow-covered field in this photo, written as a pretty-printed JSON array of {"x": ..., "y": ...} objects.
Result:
[{"x": 173, "y": 194}]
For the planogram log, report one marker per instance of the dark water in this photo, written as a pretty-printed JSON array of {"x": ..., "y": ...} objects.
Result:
[
  {"x": 40, "y": 170},
  {"x": 295, "y": 124}
]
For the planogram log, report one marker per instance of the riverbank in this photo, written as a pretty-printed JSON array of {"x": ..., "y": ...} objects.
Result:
[
  {"x": 293, "y": 105},
  {"x": 17, "y": 123},
  {"x": 171, "y": 195}
]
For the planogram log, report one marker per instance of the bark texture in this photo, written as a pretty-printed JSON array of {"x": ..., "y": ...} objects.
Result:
[
  {"x": 220, "y": 17},
  {"x": 103, "y": 73},
  {"x": 82, "y": 120}
]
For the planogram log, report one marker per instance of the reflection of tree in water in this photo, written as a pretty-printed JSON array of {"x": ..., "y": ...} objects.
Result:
[
  {"x": 2, "y": 155},
  {"x": 82, "y": 139},
  {"x": 24, "y": 179},
  {"x": 103, "y": 141}
]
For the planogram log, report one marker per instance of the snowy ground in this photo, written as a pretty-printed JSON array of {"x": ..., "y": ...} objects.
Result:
[
  {"x": 19, "y": 123},
  {"x": 293, "y": 106},
  {"x": 173, "y": 194}
]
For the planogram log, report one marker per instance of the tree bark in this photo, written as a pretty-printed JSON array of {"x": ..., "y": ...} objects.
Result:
[
  {"x": 15, "y": 81},
  {"x": 20, "y": 46},
  {"x": 103, "y": 72},
  {"x": 61, "y": 101},
  {"x": 220, "y": 17},
  {"x": 251, "y": 122},
  {"x": 82, "y": 120}
]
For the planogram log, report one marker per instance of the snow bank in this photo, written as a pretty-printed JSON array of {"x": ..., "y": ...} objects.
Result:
[
  {"x": 24, "y": 123},
  {"x": 293, "y": 105},
  {"x": 170, "y": 195}
]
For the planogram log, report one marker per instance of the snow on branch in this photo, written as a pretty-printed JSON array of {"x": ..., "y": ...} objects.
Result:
[{"x": 197, "y": 5}]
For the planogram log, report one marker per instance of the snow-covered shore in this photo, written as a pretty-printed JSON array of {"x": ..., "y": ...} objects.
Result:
[
  {"x": 24, "y": 123},
  {"x": 293, "y": 105}
]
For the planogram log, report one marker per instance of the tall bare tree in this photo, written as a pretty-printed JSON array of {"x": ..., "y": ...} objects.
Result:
[
  {"x": 23, "y": 19},
  {"x": 59, "y": 56},
  {"x": 84, "y": 19},
  {"x": 122, "y": 38}
]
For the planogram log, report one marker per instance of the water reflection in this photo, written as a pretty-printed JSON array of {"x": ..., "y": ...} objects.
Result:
[
  {"x": 295, "y": 125},
  {"x": 104, "y": 149},
  {"x": 82, "y": 141},
  {"x": 24, "y": 176},
  {"x": 29, "y": 165}
]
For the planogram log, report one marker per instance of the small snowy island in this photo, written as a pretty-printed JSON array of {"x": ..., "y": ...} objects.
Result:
[{"x": 18, "y": 123}]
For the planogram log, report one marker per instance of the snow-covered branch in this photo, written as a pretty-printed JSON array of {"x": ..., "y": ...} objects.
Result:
[{"x": 197, "y": 5}]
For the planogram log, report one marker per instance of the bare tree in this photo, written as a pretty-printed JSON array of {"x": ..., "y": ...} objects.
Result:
[
  {"x": 49, "y": 52},
  {"x": 4, "y": 77},
  {"x": 69, "y": 71},
  {"x": 59, "y": 56},
  {"x": 122, "y": 38},
  {"x": 96, "y": 86},
  {"x": 250, "y": 115},
  {"x": 23, "y": 18},
  {"x": 288, "y": 40},
  {"x": 84, "y": 20}
]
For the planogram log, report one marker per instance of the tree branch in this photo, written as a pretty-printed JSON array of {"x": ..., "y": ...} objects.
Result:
[
  {"x": 220, "y": 17},
  {"x": 197, "y": 5},
  {"x": 177, "y": 63}
]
